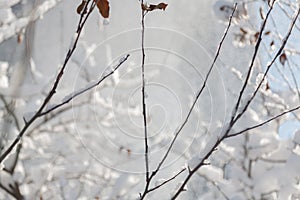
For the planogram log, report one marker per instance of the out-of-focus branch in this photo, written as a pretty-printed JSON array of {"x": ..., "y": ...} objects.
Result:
[{"x": 10, "y": 111}]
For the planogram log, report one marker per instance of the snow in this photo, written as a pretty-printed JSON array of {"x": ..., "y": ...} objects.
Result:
[
  {"x": 10, "y": 28},
  {"x": 3, "y": 75},
  {"x": 296, "y": 138},
  {"x": 8, "y": 3},
  {"x": 6, "y": 16}
]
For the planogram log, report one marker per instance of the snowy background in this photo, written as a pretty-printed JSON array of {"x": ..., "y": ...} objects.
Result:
[{"x": 93, "y": 147}]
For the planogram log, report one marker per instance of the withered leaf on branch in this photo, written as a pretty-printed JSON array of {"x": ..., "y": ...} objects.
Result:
[
  {"x": 267, "y": 33},
  {"x": 262, "y": 16},
  {"x": 103, "y": 7},
  {"x": 151, "y": 7},
  {"x": 81, "y": 7},
  {"x": 282, "y": 58}
]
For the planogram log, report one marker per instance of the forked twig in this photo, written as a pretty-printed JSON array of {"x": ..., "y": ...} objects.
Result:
[
  {"x": 192, "y": 107},
  {"x": 224, "y": 134},
  {"x": 83, "y": 18}
]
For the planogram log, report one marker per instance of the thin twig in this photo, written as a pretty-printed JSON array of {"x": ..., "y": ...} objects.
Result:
[
  {"x": 257, "y": 46},
  {"x": 72, "y": 96},
  {"x": 10, "y": 111},
  {"x": 166, "y": 181},
  {"x": 228, "y": 129},
  {"x": 144, "y": 110},
  {"x": 263, "y": 123},
  {"x": 194, "y": 102},
  {"x": 269, "y": 66},
  {"x": 199, "y": 93}
]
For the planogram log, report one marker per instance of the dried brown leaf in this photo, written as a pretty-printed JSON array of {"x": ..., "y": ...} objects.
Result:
[
  {"x": 283, "y": 58},
  {"x": 81, "y": 7},
  {"x": 244, "y": 31},
  {"x": 261, "y": 13},
  {"x": 103, "y": 7},
  {"x": 151, "y": 7}
]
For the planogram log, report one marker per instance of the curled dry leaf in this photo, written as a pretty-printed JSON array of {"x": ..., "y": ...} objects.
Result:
[
  {"x": 261, "y": 12},
  {"x": 103, "y": 7},
  {"x": 151, "y": 7},
  {"x": 282, "y": 58},
  {"x": 81, "y": 7}
]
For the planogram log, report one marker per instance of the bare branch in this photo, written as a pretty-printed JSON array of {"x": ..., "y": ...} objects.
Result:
[
  {"x": 257, "y": 46},
  {"x": 166, "y": 181},
  {"x": 149, "y": 178},
  {"x": 81, "y": 23},
  {"x": 232, "y": 122},
  {"x": 143, "y": 13},
  {"x": 269, "y": 66},
  {"x": 263, "y": 123},
  {"x": 72, "y": 96},
  {"x": 199, "y": 93}
]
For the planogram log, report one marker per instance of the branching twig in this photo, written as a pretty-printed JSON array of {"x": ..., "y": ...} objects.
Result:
[
  {"x": 232, "y": 122},
  {"x": 269, "y": 66},
  {"x": 166, "y": 181},
  {"x": 72, "y": 96},
  {"x": 263, "y": 123},
  {"x": 191, "y": 109},
  {"x": 257, "y": 46},
  {"x": 40, "y": 112}
]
